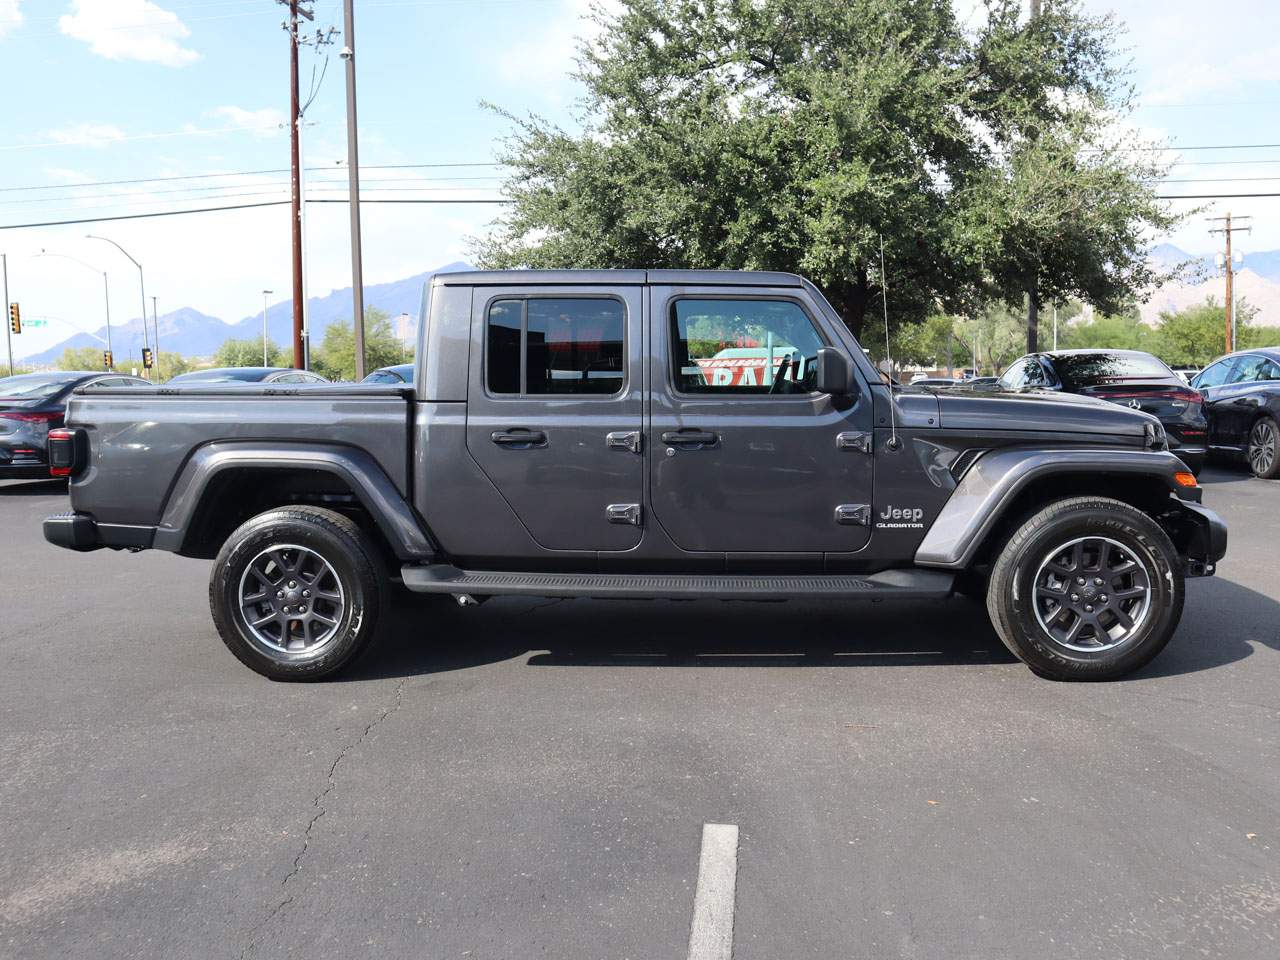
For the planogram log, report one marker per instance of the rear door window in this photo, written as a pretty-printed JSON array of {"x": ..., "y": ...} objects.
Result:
[
  {"x": 1247, "y": 368},
  {"x": 541, "y": 346}
]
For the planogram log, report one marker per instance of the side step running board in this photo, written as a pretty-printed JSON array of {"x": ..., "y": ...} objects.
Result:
[{"x": 909, "y": 584}]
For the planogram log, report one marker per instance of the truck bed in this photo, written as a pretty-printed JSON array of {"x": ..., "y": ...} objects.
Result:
[{"x": 142, "y": 437}]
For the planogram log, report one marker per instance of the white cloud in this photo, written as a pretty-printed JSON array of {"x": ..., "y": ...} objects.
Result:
[
  {"x": 266, "y": 121},
  {"x": 129, "y": 30},
  {"x": 10, "y": 16},
  {"x": 544, "y": 60},
  {"x": 85, "y": 134}
]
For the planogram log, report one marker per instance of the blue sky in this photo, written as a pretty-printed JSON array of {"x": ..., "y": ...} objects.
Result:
[{"x": 121, "y": 89}]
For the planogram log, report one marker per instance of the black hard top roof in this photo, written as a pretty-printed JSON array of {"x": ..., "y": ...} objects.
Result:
[{"x": 738, "y": 278}]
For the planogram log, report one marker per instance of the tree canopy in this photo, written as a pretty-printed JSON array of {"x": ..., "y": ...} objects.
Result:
[
  {"x": 801, "y": 134},
  {"x": 83, "y": 358},
  {"x": 336, "y": 358},
  {"x": 248, "y": 353}
]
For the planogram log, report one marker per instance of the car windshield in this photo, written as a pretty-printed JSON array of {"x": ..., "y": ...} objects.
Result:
[
  {"x": 31, "y": 386},
  {"x": 244, "y": 375},
  {"x": 1086, "y": 369}
]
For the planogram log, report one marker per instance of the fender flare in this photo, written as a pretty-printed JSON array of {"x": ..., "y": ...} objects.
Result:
[
  {"x": 997, "y": 477},
  {"x": 360, "y": 471}
]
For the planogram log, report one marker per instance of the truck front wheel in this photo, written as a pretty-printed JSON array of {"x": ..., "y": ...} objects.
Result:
[
  {"x": 296, "y": 593},
  {"x": 1087, "y": 589}
]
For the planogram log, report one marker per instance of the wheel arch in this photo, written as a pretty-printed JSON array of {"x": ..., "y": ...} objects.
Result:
[
  {"x": 224, "y": 483},
  {"x": 1004, "y": 487}
]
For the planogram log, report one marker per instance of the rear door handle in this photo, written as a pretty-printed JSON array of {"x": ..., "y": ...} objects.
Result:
[
  {"x": 519, "y": 438},
  {"x": 690, "y": 438}
]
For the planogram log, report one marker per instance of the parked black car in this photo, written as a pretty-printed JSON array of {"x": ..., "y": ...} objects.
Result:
[
  {"x": 1129, "y": 377},
  {"x": 1242, "y": 398},
  {"x": 32, "y": 404},
  {"x": 400, "y": 373},
  {"x": 249, "y": 375}
]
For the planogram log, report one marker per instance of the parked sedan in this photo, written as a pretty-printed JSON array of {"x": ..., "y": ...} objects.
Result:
[
  {"x": 400, "y": 373},
  {"x": 30, "y": 406},
  {"x": 1242, "y": 397},
  {"x": 249, "y": 375},
  {"x": 1130, "y": 377}
]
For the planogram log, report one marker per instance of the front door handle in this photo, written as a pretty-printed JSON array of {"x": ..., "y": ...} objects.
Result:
[
  {"x": 519, "y": 438},
  {"x": 693, "y": 439}
]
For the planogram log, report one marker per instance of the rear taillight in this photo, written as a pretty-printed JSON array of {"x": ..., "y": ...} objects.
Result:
[
  {"x": 32, "y": 417},
  {"x": 1177, "y": 394},
  {"x": 63, "y": 451}
]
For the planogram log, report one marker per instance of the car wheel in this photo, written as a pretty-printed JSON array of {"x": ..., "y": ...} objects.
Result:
[
  {"x": 1087, "y": 589},
  {"x": 1262, "y": 450},
  {"x": 296, "y": 593}
]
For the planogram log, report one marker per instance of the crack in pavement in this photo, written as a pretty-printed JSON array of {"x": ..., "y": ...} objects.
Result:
[{"x": 317, "y": 804}]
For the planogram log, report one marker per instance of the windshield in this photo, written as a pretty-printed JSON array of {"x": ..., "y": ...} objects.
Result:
[
  {"x": 1087, "y": 369},
  {"x": 244, "y": 374},
  {"x": 34, "y": 385}
]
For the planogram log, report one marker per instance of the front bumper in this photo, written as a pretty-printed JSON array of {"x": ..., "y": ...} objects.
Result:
[
  {"x": 80, "y": 531},
  {"x": 1201, "y": 537}
]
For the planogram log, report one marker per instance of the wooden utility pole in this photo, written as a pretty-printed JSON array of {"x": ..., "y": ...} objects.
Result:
[
  {"x": 1226, "y": 230},
  {"x": 295, "y": 169}
]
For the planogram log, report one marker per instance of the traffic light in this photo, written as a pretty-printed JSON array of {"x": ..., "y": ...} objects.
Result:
[
  {"x": 15, "y": 318},
  {"x": 146, "y": 358},
  {"x": 107, "y": 360}
]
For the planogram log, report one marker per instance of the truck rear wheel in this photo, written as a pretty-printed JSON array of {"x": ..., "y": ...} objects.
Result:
[
  {"x": 296, "y": 593},
  {"x": 1087, "y": 589}
]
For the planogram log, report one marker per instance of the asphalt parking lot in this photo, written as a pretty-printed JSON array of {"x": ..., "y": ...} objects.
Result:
[{"x": 531, "y": 778}]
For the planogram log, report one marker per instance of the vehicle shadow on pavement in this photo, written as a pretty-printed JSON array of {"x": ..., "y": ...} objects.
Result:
[
  {"x": 432, "y": 638},
  {"x": 32, "y": 488},
  {"x": 1223, "y": 621}
]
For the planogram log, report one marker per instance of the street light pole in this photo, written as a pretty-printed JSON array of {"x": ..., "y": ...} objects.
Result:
[
  {"x": 353, "y": 180},
  {"x": 155, "y": 329},
  {"x": 265, "y": 294},
  {"x": 142, "y": 285}
]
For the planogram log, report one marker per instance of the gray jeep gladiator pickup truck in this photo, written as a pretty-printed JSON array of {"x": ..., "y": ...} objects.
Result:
[{"x": 637, "y": 434}]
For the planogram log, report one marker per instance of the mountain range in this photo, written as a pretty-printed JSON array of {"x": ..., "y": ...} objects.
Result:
[
  {"x": 1257, "y": 282},
  {"x": 194, "y": 334}
]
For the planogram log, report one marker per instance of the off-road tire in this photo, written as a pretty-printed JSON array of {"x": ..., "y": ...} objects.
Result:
[
  {"x": 354, "y": 561},
  {"x": 1011, "y": 591}
]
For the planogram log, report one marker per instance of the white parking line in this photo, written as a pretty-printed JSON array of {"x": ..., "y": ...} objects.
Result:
[{"x": 711, "y": 935}]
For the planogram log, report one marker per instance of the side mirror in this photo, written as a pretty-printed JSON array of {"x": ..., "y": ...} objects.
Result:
[{"x": 835, "y": 372}]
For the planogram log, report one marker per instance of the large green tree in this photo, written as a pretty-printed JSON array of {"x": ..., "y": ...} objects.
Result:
[
  {"x": 1198, "y": 333},
  {"x": 336, "y": 358},
  {"x": 802, "y": 134},
  {"x": 248, "y": 353},
  {"x": 82, "y": 358}
]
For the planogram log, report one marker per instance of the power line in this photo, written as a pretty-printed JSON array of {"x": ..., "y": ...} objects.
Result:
[
  {"x": 1213, "y": 196},
  {"x": 248, "y": 173},
  {"x": 144, "y": 216},
  {"x": 238, "y": 206}
]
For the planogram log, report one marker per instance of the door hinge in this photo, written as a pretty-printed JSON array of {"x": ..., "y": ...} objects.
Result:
[
  {"x": 861, "y": 442},
  {"x": 854, "y": 514},
  {"x": 623, "y": 513},
  {"x": 623, "y": 440}
]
